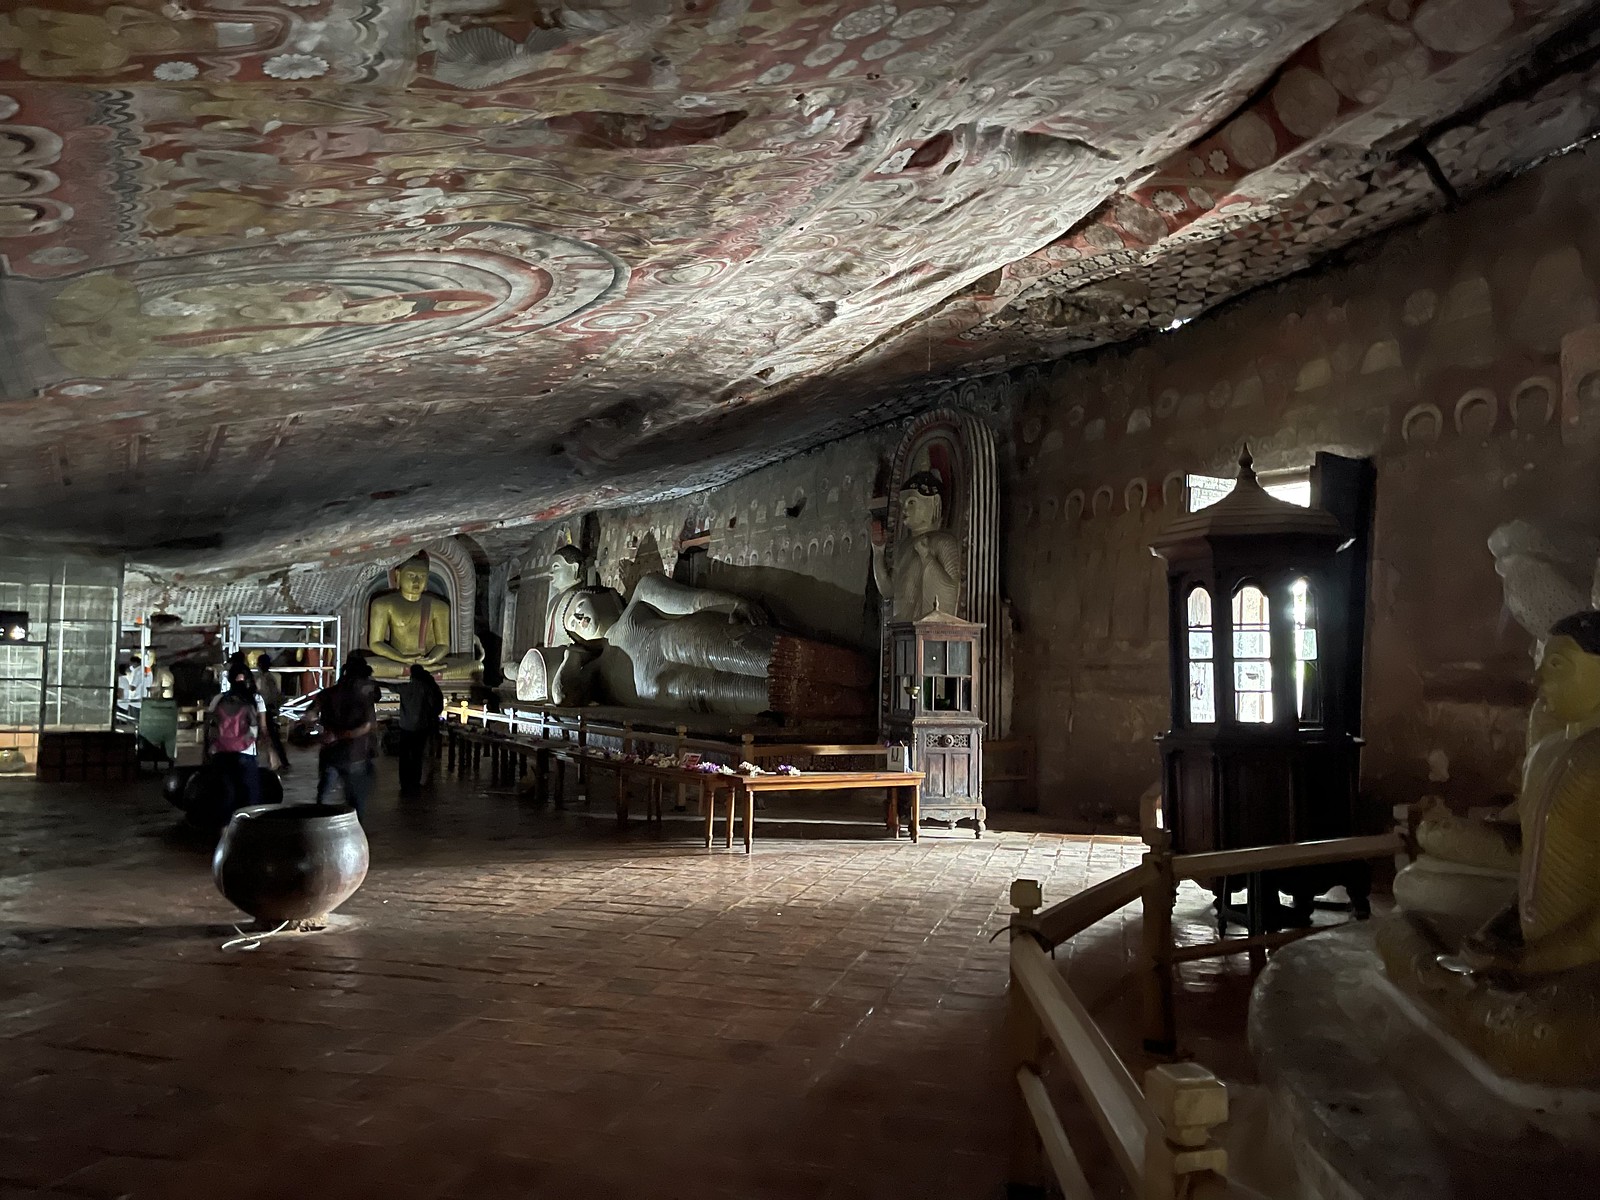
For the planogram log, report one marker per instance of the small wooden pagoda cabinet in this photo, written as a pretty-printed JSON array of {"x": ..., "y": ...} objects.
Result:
[
  {"x": 932, "y": 685},
  {"x": 1262, "y": 749}
]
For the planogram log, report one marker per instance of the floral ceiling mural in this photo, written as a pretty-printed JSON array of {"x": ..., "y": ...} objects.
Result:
[{"x": 283, "y": 280}]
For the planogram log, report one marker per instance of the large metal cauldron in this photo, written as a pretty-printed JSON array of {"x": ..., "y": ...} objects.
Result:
[
  {"x": 291, "y": 862},
  {"x": 199, "y": 793}
]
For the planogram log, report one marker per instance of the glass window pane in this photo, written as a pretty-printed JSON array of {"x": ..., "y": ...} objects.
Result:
[
  {"x": 1251, "y": 643},
  {"x": 70, "y": 706},
  {"x": 960, "y": 658},
  {"x": 1307, "y": 681},
  {"x": 1249, "y": 607},
  {"x": 933, "y": 658},
  {"x": 1202, "y": 693},
  {"x": 82, "y": 653},
  {"x": 85, "y": 602},
  {"x": 1199, "y": 644},
  {"x": 1199, "y": 608},
  {"x": 1252, "y": 650},
  {"x": 1205, "y": 490},
  {"x": 19, "y": 701},
  {"x": 25, "y": 661},
  {"x": 1252, "y": 688},
  {"x": 1254, "y": 708}
]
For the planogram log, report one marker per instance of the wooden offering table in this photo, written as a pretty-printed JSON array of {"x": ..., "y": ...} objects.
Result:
[{"x": 903, "y": 786}]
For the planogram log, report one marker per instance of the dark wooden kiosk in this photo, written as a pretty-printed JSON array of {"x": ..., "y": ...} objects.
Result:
[
  {"x": 932, "y": 685},
  {"x": 1263, "y": 748}
]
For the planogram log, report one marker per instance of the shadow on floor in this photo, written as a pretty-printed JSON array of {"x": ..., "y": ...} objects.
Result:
[{"x": 98, "y": 937}]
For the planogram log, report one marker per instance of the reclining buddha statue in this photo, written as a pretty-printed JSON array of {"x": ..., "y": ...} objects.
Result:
[
  {"x": 1522, "y": 988},
  {"x": 412, "y": 625},
  {"x": 689, "y": 649}
]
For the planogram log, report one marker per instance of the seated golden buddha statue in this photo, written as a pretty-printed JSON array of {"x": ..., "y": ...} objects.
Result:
[
  {"x": 1523, "y": 989},
  {"x": 412, "y": 625}
]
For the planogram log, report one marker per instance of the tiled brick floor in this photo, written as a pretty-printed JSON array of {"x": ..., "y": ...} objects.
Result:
[{"x": 522, "y": 1003}]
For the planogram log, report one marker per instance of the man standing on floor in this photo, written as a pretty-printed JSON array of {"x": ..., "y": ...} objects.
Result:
[
  {"x": 346, "y": 715},
  {"x": 421, "y": 703}
]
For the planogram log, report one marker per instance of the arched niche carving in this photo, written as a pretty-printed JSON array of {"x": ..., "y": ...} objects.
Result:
[
  {"x": 450, "y": 573},
  {"x": 959, "y": 446}
]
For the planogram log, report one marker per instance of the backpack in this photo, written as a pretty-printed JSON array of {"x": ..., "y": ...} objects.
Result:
[{"x": 236, "y": 725}]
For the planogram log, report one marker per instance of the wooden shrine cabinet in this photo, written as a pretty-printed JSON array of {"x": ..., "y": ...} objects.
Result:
[
  {"x": 1264, "y": 643},
  {"x": 932, "y": 685}
]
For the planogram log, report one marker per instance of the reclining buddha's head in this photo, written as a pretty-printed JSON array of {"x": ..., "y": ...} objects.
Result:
[{"x": 590, "y": 614}]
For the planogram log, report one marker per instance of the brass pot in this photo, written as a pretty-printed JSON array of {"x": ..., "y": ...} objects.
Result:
[{"x": 291, "y": 862}]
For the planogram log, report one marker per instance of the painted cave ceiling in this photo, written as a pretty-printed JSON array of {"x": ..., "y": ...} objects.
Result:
[{"x": 285, "y": 281}]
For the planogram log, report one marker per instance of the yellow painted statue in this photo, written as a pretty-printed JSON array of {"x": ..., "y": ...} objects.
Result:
[
  {"x": 412, "y": 625},
  {"x": 1523, "y": 988}
]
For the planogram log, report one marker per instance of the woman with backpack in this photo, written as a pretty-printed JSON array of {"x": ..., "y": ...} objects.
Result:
[{"x": 238, "y": 723}]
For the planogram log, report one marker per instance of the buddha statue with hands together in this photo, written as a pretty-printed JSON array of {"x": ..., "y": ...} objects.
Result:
[
  {"x": 1550, "y": 836},
  {"x": 410, "y": 625}
]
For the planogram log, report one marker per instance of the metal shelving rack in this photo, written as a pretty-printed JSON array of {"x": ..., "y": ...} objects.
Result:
[{"x": 272, "y": 632}]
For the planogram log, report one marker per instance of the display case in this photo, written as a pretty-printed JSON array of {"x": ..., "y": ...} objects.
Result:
[
  {"x": 1261, "y": 749},
  {"x": 60, "y": 674},
  {"x": 932, "y": 686}
]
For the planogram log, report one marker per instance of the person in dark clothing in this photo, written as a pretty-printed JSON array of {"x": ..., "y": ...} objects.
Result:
[
  {"x": 359, "y": 666},
  {"x": 481, "y": 695},
  {"x": 421, "y": 703},
  {"x": 345, "y": 713}
]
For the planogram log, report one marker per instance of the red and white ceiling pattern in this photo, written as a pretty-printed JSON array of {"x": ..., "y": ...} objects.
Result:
[{"x": 287, "y": 279}]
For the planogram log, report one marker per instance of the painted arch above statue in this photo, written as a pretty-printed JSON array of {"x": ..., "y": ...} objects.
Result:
[
  {"x": 450, "y": 582},
  {"x": 941, "y": 541}
]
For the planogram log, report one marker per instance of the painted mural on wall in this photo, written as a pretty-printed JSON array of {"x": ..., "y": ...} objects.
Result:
[
  {"x": 798, "y": 190},
  {"x": 311, "y": 304}
]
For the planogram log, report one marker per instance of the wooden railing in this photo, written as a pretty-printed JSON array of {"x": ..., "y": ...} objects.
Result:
[
  {"x": 1161, "y": 1133},
  {"x": 563, "y": 725}
]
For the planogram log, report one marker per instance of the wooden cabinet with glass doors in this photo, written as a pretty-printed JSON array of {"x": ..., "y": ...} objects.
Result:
[
  {"x": 1262, "y": 748},
  {"x": 930, "y": 708}
]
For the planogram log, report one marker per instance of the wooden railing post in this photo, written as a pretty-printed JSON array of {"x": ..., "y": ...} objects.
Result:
[
  {"x": 1159, "y": 895},
  {"x": 1188, "y": 1101},
  {"x": 1027, "y": 1045}
]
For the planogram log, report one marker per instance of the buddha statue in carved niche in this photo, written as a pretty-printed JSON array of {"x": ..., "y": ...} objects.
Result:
[
  {"x": 412, "y": 625},
  {"x": 926, "y": 572},
  {"x": 1523, "y": 988}
]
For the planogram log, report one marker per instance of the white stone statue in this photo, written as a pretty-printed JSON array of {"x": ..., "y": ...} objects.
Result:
[
  {"x": 927, "y": 557},
  {"x": 1547, "y": 573},
  {"x": 567, "y": 571}
]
